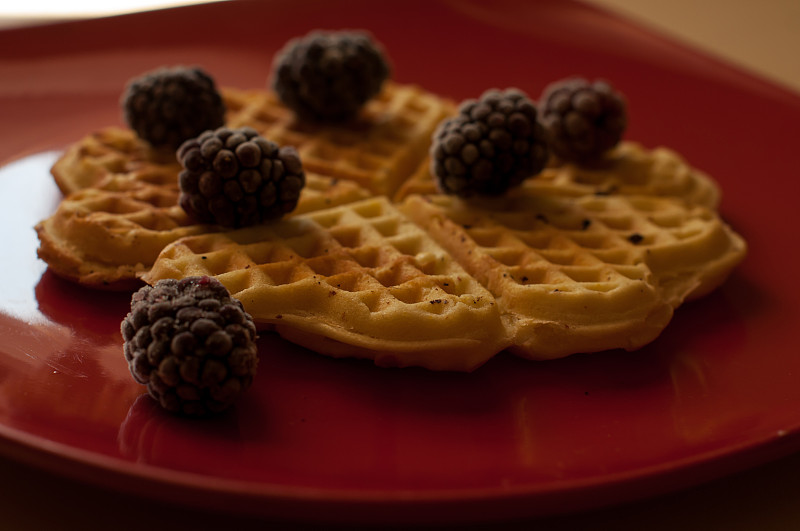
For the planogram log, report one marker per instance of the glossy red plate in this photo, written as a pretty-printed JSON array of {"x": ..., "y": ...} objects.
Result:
[{"x": 343, "y": 440}]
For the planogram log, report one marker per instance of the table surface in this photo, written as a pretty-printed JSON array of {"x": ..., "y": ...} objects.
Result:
[{"x": 762, "y": 37}]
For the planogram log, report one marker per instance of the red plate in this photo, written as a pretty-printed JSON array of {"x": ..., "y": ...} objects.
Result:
[{"x": 343, "y": 440}]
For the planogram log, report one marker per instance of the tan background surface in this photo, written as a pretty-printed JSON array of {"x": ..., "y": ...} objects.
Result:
[{"x": 760, "y": 35}]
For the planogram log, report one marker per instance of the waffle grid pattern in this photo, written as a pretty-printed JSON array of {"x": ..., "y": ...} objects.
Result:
[
  {"x": 358, "y": 280},
  {"x": 589, "y": 242},
  {"x": 116, "y": 230},
  {"x": 368, "y": 249},
  {"x": 580, "y": 274},
  {"x": 379, "y": 150},
  {"x": 628, "y": 170}
]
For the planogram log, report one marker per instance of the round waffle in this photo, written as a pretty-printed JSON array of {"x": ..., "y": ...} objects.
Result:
[
  {"x": 358, "y": 280},
  {"x": 577, "y": 259},
  {"x": 586, "y": 273}
]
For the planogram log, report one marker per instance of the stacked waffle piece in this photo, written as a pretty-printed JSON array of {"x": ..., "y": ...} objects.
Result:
[
  {"x": 121, "y": 205},
  {"x": 374, "y": 263}
]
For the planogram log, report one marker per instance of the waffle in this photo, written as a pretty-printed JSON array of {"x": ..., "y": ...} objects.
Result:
[
  {"x": 114, "y": 151},
  {"x": 628, "y": 169},
  {"x": 379, "y": 150},
  {"x": 111, "y": 151},
  {"x": 586, "y": 273},
  {"x": 358, "y": 280},
  {"x": 106, "y": 235},
  {"x": 574, "y": 260}
]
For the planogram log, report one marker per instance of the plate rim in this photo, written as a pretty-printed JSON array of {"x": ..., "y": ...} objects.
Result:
[{"x": 768, "y": 448}]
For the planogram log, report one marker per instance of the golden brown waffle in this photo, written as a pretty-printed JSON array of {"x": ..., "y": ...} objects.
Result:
[
  {"x": 122, "y": 194},
  {"x": 582, "y": 274},
  {"x": 116, "y": 151},
  {"x": 628, "y": 169},
  {"x": 574, "y": 260},
  {"x": 358, "y": 280},
  {"x": 379, "y": 150},
  {"x": 111, "y": 151},
  {"x": 104, "y": 236}
]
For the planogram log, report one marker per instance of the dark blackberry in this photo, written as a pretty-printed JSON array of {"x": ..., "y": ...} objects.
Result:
[
  {"x": 191, "y": 344},
  {"x": 169, "y": 105},
  {"x": 328, "y": 76},
  {"x": 236, "y": 178},
  {"x": 492, "y": 144},
  {"x": 583, "y": 120}
]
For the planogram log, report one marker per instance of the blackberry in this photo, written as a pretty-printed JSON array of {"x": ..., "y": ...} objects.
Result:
[
  {"x": 492, "y": 144},
  {"x": 583, "y": 120},
  {"x": 236, "y": 178},
  {"x": 328, "y": 76},
  {"x": 191, "y": 344},
  {"x": 169, "y": 105}
]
